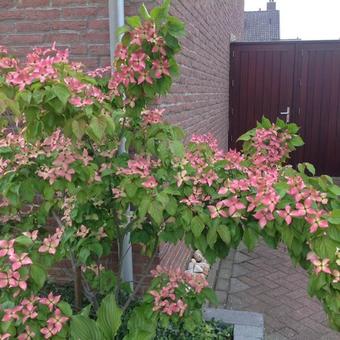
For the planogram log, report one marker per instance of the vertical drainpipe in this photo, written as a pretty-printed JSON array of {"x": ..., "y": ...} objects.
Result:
[{"x": 116, "y": 18}]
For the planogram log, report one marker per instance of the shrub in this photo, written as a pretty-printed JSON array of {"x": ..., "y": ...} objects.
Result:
[{"x": 63, "y": 162}]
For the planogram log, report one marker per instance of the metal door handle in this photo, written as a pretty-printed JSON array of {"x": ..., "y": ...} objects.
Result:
[{"x": 287, "y": 114}]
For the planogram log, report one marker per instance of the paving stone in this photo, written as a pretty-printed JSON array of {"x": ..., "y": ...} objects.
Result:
[
  {"x": 271, "y": 322},
  {"x": 222, "y": 297},
  {"x": 287, "y": 332},
  {"x": 237, "y": 286},
  {"x": 240, "y": 257},
  {"x": 225, "y": 273},
  {"x": 239, "y": 270},
  {"x": 330, "y": 337},
  {"x": 222, "y": 284},
  {"x": 275, "y": 336}
]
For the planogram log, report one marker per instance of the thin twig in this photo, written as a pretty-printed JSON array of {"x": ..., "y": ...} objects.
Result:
[{"x": 88, "y": 292}]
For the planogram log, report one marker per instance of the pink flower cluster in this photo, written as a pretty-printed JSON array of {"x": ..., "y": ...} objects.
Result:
[
  {"x": 61, "y": 165},
  {"x": 308, "y": 204},
  {"x": 322, "y": 266},
  {"x": 101, "y": 72},
  {"x": 137, "y": 67},
  {"x": 255, "y": 193},
  {"x": 165, "y": 299},
  {"x": 198, "y": 197},
  {"x": 39, "y": 66},
  {"x": 84, "y": 94},
  {"x": 271, "y": 146},
  {"x": 152, "y": 116},
  {"x": 51, "y": 243},
  {"x": 28, "y": 310},
  {"x": 11, "y": 277},
  {"x": 226, "y": 208},
  {"x": 208, "y": 139},
  {"x": 141, "y": 166}
]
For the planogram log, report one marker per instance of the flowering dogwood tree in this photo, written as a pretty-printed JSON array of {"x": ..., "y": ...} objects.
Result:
[{"x": 67, "y": 193}]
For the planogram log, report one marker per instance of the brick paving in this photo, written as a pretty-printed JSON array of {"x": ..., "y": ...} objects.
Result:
[{"x": 265, "y": 281}]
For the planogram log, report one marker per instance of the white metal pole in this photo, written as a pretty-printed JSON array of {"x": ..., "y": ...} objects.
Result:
[{"x": 116, "y": 18}]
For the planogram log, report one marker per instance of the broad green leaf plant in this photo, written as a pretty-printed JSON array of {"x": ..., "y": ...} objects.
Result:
[{"x": 84, "y": 161}]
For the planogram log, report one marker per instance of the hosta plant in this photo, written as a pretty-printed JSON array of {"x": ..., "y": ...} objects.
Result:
[{"x": 84, "y": 161}]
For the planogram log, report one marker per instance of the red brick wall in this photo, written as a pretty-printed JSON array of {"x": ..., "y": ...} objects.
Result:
[{"x": 81, "y": 25}]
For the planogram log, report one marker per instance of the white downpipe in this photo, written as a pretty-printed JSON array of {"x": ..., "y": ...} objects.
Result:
[{"x": 116, "y": 17}]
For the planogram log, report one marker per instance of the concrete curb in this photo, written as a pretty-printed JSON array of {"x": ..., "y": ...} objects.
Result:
[{"x": 247, "y": 326}]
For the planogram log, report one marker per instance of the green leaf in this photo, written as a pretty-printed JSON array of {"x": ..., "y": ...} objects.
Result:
[
  {"x": 310, "y": 167},
  {"x": 24, "y": 241},
  {"x": 334, "y": 233},
  {"x": 325, "y": 247},
  {"x": 110, "y": 125},
  {"x": 212, "y": 236},
  {"x": 224, "y": 233},
  {"x": 246, "y": 136},
  {"x": 297, "y": 141},
  {"x": 292, "y": 128},
  {"x": 144, "y": 13},
  {"x": 171, "y": 207},
  {"x": 177, "y": 148},
  {"x": 189, "y": 325},
  {"x": 65, "y": 308},
  {"x": 109, "y": 317},
  {"x": 335, "y": 217},
  {"x": 123, "y": 29},
  {"x": 176, "y": 27},
  {"x": 96, "y": 129},
  {"x": 83, "y": 255},
  {"x": 38, "y": 275},
  {"x": 197, "y": 226},
  {"x": 86, "y": 311},
  {"x": 83, "y": 328},
  {"x": 334, "y": 189},
  {"x": 62, "y": 92},
  {"x": 27, "y": 191},
  {"x": 142, "y": 324},
  {"x": 131, "y": 189},
  {"x": 79, "y": 128},
  {"x": 266, "y": 123},
  {"x": 250, "y": 238},
  {"x": 281, "y": 188},
  {"x": 48, "y": 193},
  {"x": 134, "y": 21},
  {"x": 287, "y": 235},
  {"x": 156, "y": 212},
  {"x": 144, "y": 206},
  {"x": 210, "y": 295},
  {"x": 25, "y": 96}
]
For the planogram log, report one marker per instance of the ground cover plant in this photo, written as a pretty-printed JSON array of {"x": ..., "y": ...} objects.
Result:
[{"x": 84, "y": 161}]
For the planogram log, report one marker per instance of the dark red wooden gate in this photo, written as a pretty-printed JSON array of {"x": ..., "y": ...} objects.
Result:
[{"x": 301, "y": 77}]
